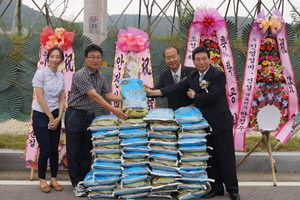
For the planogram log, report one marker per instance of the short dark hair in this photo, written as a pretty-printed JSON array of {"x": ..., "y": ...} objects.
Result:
[
  {"x": 92, "y": 47},
  {"x": 170, "y": 48},
  {"x": 201, "y": 49},
  {"x": 61, "y": 52}
]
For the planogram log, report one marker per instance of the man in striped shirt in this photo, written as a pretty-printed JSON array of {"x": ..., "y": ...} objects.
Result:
[{"x": 87, "y": 85}]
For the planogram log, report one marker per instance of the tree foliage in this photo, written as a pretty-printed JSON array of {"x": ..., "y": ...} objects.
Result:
[{"x": 296, "y": 22}]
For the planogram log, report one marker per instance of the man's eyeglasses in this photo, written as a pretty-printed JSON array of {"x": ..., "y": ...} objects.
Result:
[{"x": 95, "y": 58}]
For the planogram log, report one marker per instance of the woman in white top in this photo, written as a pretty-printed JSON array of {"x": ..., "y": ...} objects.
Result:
[{"x": 47, "y": 108}]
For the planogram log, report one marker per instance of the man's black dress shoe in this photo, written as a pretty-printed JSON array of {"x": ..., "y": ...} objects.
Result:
[
  {"x": 212, "y": 194},
  {"x": 235, "y": 197}
]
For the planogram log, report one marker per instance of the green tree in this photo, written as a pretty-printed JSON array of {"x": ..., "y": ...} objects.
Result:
[
  {"x": 296, "y": 21},
  {"x": 3, "y": 25}
]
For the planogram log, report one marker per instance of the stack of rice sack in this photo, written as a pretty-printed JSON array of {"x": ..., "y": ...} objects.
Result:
[
  {"x": 193, "y": 155},
  {"x": 106, "y": 169},
  {"x": 134, "y": 142},
  {"x": 163, "y": 153}
]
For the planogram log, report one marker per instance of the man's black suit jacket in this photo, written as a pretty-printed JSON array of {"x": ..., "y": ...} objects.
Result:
[
  {"x": 213, "y": 104},
  {"x": 176, "y": 100}
]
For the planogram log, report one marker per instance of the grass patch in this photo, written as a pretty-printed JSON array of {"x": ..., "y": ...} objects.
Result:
[
  {"x": 8, "y": 141},
  {"x": 292, "y": 144}
]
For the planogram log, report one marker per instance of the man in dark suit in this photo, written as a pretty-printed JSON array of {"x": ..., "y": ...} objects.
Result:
[
  {"x": 206, "y": 87},
  {"x": 176, "y": 72}
]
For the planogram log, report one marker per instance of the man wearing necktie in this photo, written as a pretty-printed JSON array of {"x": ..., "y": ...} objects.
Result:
[
  {"x": 173, "y": 75},
  {"x": 209, "y": 95}
]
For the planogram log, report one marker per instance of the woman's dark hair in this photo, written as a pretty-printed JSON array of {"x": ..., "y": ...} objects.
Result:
[
  {"x": 92, "y": 47},
  {"x": 201, "y": 49},
  {"x": 53, "y": 49}
]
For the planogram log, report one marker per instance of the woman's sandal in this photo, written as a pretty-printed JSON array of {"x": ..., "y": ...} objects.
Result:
[
  {"x": 57, "y": 187},
  {"x": 45, "y": 188}
]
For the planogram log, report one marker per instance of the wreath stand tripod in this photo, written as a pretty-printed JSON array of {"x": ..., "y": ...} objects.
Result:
[{"x": 265, "y": 140}]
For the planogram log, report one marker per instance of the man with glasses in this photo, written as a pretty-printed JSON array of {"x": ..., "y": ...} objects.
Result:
[
  {"x": 87, "y": 85},
  {"x": 174, "y": 74}
]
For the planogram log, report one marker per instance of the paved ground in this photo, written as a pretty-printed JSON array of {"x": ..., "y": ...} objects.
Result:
[{"x": 254, "y": 185}]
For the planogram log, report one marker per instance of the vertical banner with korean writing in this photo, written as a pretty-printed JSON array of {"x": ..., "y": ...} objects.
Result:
[
  {"x": 268, "y": 80},
  {"x": 132, "y": 60},
  {"x": 67, "y": 68},
  {"x": 209, "y": 29}
]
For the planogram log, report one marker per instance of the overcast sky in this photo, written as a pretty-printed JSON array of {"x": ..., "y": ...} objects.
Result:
[{"x": 117, "y": 6}]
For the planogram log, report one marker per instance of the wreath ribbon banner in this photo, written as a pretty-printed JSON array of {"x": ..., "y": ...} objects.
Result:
[
  {"x": 132, "y": 60},
  {"x": 68, "y": 69},
  {"x": 250, "y": 86},
  {"x": 206, "y": 22},
  {"x": 285, "y": 132}
]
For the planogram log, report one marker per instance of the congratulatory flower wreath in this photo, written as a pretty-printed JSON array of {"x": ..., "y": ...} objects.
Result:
[
  {"x": 209, "y": 21},
  {"x": 59, "y": 38},
  {"x": 269, "y": 78}
]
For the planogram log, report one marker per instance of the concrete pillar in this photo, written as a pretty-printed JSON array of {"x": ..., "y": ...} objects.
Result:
[{"x": 95, "y": 20}]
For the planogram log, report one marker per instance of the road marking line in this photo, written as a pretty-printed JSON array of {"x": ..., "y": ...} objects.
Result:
[
  {"x": 12, "y": 182},
  {"x": 242, "y": 184}
]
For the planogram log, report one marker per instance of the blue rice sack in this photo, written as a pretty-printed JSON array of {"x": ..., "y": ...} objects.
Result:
[
  {"x": 188, "y": 169},
  {"x": 134, "y": 141},
  {"x": 132, "y": 161},
  {"x": 142, "y": 170},
  {"x": 134, "y": 135},
  {"x": 197, "y": 163},
  {"x": 136, "y": 184},
  {"x": 106, "y": 180},
  {"x": 104, "y": 122},
  {"x": 195, "y": 125},
  {"x": 186, "y": 195},
  {"x": 130, "y": 178},
  {"x": 164, "y": 171},
  {"x": 197, "y": 178},
  {"x": 196, "y": 187},
  {"x": 193, "y": 154},
  {"x": 136, "y": 112},
  {"x": 167, "y": 186},
  {"x": 134, "y": 196},
  {"x": 126, "y": 133},
  {"x": 188, "y": 115},
  {"x": 106, "y": 142},
  {"x": 133, "y": 94},
  {"x": 192, "y": 141},
  {"x": 89, "y": 181},
  {"x": 121, "y": 192},
  {"x": 164, "y": 126},
  {"x": 164, "y": 151},
  {"x": 134, "y": 154},
  {"x": 159, "y": 161},
  {"x": 164, "y": 191},
  {"x": 109, "y": 172},
  {"x": 141, "y": 148},
  {"x": 104, "y": 133},
  {"x": 192, "y": 148},
  {"x": 202, "y": 158},
  {"x": 159, "y": 181},
  {"x": 190, "y": 134},
  {"x": 193, "y": 173},
  {"x": 163, "y": 140},
  {"x": 111, "y": 156},
  {"x": 162, "y": 134},
  {"x": 132, "y": 123},
  {"x": 163, "y": 156},
  {"x": 113, "y": 164},
  {"x": 160, "y": 114}
]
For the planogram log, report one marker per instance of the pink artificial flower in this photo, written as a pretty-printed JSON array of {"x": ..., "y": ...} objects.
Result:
[{"x": 207, "y": 21}]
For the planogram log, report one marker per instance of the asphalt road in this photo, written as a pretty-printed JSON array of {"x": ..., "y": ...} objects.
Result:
[{"x": 15, "y": 183}]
